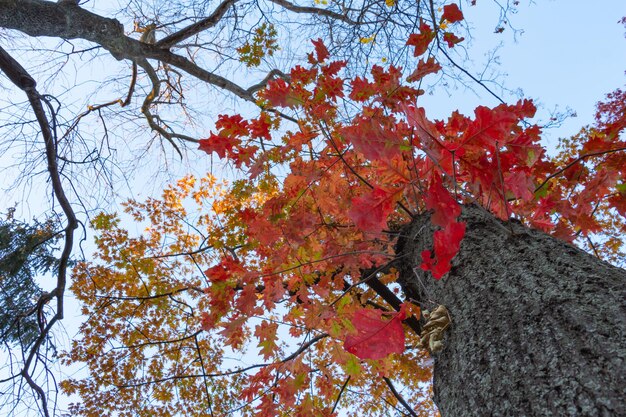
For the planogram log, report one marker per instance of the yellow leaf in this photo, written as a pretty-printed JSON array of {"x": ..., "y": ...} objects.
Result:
[
  {"x": 390, "y": 3},
  {"x": 368, "y": 39}
]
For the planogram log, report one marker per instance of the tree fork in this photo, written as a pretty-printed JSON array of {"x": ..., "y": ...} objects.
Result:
[{"x": 538, "y": 326}]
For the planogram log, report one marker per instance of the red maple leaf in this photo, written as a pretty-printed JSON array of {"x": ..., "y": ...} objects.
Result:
[
  {"x": 277, "y": 93},
  {"x": 427, "y": 136},
  {"x": 520, "y": 184},
  {"x": 370, "y": 138},
  {"x": 260, "y": 128},
  {"x": 452, "y": 13},
  {"x": 232, "y": 125},
  {"x": 451, "y": 39},
  {"x": 376, "y": 337},
  {"x": 444, "y": 206},
  {"x": 320, "y": 51},
  {"x": 369, "y": 212},
  {"x": 259, "y": 227},
  {"x": 223, "y": 271},
  {"x": 618, "y": 201},
  {"x": 361, "y": 89},
  {"x": 421, "y": 40},
  {"x": 219, "y": 144},
  {"x": 424, "y": 67},
  {"x": 490, "y": 126},
  {"x": 447, "y": 243}
]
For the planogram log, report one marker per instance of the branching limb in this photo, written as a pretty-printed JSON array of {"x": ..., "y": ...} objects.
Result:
[
  {"x": 343, "y": 388},
  {"x": 270, "y": 76},
  {"x": 197, "y": 27},
  {"x": 315, "y": 11},
  {"x": 145, "y": 109},
  {"x": 295, "y": 354},
  {"x": 574, "y": 162},
  {"x": 131, "y": 87},
  {"x": 399, "y": 397},
  {"x": 22, "y": 79}
]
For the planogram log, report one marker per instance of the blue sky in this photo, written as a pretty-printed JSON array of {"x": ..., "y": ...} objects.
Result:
[{"x": 566, "y": 54}]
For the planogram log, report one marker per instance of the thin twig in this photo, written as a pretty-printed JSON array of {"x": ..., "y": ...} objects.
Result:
[{"x": 399, "y": 397}]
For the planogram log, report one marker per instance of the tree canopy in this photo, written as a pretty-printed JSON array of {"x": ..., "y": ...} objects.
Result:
[{"x": 294, "y": 254}]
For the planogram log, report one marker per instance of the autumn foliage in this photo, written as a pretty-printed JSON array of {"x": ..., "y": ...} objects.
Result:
[{"x": 277, "y": 261}]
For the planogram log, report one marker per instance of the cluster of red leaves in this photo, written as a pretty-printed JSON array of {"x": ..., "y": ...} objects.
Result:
[
  {"x": 227, "y": 143},
  {"x": 390, "y": 155},
  {"x": 348, "y": 183},
  {"x": 585, "y": 191},
  {"x": 287, "y": 248}
]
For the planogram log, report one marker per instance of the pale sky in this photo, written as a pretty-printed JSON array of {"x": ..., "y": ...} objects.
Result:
[{"x": 570, "y": 54}]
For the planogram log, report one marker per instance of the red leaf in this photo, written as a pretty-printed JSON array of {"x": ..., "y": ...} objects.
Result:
[
  {"x": 369, "y": 212},
  {"x": 451, "y": 39},
  {"x": 368, "y": 137},
  {"x": 260, "y": 128},
  {"x": 266, "y": 333},
  {"x": 490, "y": 126},
  {"x": 451, "y": 13},
  {"x": 447, "y": 243},
  {"x": 259, "y": 227},
  {"x": 421, "y": 40},
  {"x": 424, "y": 68},
  {"x": 444, "y": 206},
  {"x": 233, "y": 125},
  {"x": 218, "y": 144},
  {"x": 223, "y": 271},
  {"x": 277, "y": 93},
  {"x": 320, "y": 51},
  {"x": 427, "y": 135},
  {"x": 520, "y": 183},
  {"x": 618, "y": 201},
  {"x": 361, "y": 89},
  {"x": 376, "y": 337}
]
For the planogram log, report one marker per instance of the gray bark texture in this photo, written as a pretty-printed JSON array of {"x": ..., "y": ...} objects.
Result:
[{"x": 538, "y": 326}]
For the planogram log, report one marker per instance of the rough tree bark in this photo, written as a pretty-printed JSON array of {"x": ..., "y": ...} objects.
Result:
[{"x": 538, "y": 326}]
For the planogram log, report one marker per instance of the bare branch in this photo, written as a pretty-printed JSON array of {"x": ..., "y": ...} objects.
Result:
[
  {"x": 24, "y": 81},
  {"x": 315, "y": 11},
  {"x": 399, "y": 397},
  {"x": 197, "y": 27}
]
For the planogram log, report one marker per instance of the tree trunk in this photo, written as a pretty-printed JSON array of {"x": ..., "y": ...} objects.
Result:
[{"x": 538, "y": 326}]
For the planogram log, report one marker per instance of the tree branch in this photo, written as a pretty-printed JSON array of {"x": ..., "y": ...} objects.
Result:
[
  {"x": 399, "y": 397},
  {"x": 22, "y": 79},
  {"x": 197, "y": 27},
  {"x": 316, "y": 11}
]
